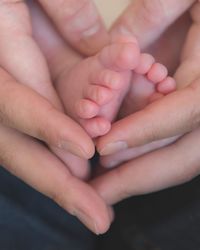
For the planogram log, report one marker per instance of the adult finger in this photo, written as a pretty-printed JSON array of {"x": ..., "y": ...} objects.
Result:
[
  {"x": 189, "y": 68},
  {"x": 114, "y": 160},
  {"x": 28, "y": 65},
  {"x": 24, "y": 109},
  {"x": 150, "y": 18},
  {"x": 172, "y": 115},
  {"x": 32, "y": 162},
  {"x": 181, "y": 108},
  {"x": 78, "y": 22},
  {"x": 170, "y": 166},
  {"x": 52, "y": 45},
  {"x": 21, "y": 107}
]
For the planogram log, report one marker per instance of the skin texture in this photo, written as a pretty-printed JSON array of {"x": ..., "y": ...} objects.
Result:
[
  {"x": 29, "y": 104},
  {"x": 57, "y": 190},
  {"x": 78, "y": 22},
  {"x": 174, "y": 164},
  {"x": 77, "y": 80},
  {"x": 118, "y": 185},
  {"x": 92, "y": 90},
  {"x": 135, "y": 136}
]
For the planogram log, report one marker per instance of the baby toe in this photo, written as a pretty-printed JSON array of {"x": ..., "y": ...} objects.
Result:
[
  {"x": 97, "y": 126},
  {"x": 167, "y": 86},
  {"x": 145, "y": 63},
  {"x": 99, "y": 94},
  {"x": 110, "y": 79},
  {"x": 120, "y": 56},
  {"x": 86, "y": 109},
  {"x": 157, "y": 73}
]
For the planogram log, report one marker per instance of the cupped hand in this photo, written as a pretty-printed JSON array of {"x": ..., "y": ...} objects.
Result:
[
  {"x": 30, "y": 107},
  {"x": 21, "y": 57},
  {"x": 173, "y": 115},
  {"x": 33, "y": 163},
  {"x": 150, "y": 124}
]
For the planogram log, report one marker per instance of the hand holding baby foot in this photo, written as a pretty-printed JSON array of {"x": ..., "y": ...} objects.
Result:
[
  {"x": 29, "y": 104},
  {"x": 151, "y": 18},
  {"x": 37, "y": 77},
  {"x": 93, "y": 89},
  {"x": 150, "y": 76},
  {"x": 79, "y": 23},
  {"x": 111, "y": 179},
  {"x": 171, "y": 165},
  {"x": 139, "y": 95}
]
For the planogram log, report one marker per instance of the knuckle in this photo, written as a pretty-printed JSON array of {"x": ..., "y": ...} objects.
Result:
[
  {"x": 154, "y": 12},
  {"x": 69, "y": 8}
]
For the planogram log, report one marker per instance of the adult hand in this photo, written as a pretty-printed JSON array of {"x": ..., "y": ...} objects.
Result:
[
  {"x": 175, "y": 114},
  {"x": 166, "y": 167},
  {"x": 182, "y": 107},
  {"x": 78, "y": 22},
  {"x": 21, "y": 107},
  {"x": 33, "y": 163},
  {"x": 22, "y": 58},
  {"x": 38, "y": 114}
]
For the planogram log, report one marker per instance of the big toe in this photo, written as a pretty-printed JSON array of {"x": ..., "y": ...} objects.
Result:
[
  {"x": 122, "y": 55},
  {"x": 97, "y": 126}
]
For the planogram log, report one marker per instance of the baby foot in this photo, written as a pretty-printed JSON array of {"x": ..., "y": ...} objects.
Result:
[
  {"x": 92, "y": 91},
  {"x": 148, "y": 83},
  {"x": 143, "y": 90},
  {"x": 141, "y": 93}
]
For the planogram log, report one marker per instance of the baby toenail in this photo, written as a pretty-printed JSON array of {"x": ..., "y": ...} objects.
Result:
[{"x": 114, "y": 147}]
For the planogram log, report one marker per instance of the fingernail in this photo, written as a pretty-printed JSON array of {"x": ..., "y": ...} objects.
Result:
[
  {"x": 84, "y": 18},
  {"x": 113, "y": 148},
  {"x": 87, "y": 221},
  {"x": 74, "y": 149},
  {"x": 91, "y": 31}
]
